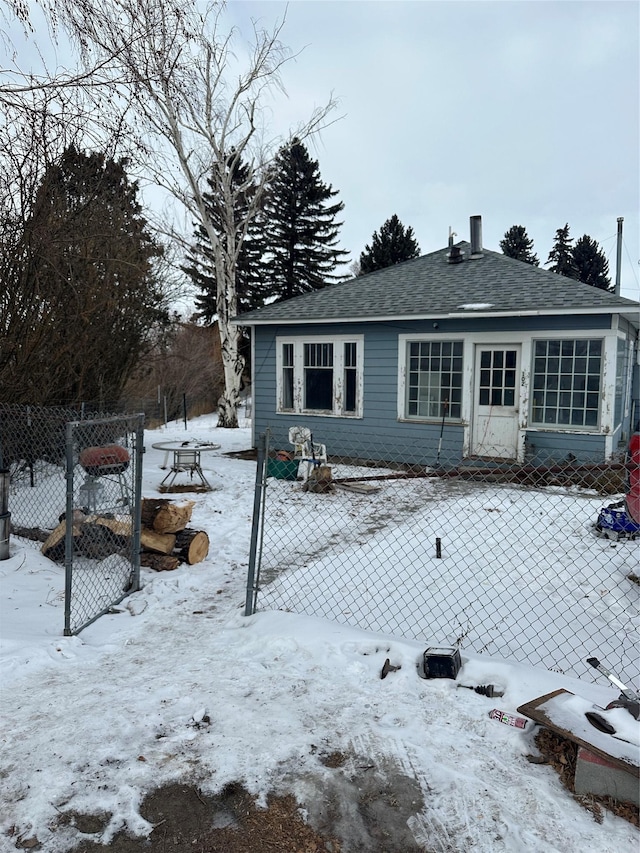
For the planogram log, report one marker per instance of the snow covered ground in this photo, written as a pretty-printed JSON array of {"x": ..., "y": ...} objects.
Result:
[{"x": 178, "y": 685}]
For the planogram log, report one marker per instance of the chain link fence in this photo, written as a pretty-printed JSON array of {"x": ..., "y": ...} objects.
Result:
[
  {"x": 63, "y": 464},
  {"x": 518, "y": 561}
]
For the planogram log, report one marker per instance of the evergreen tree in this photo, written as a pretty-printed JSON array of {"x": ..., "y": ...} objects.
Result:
[
  {"x": 517, "y": 244},
  {"x": 393, "y": 244},
  {"x": 561, "y": 254},
  {"x": 80, "y": 293},
  {"x": 300, "y": 226},
  {"x": 591, "y": 263},
  {"x": 200, "y": 266}
]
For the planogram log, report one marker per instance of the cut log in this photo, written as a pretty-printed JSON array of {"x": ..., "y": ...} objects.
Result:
[
  {"x": 320, "y": 480},
  {"x": 54, "y": 546},
  {"x": 93, "y": 537},
  {"x": 159, "y": 562},
  {"x": 119, "y": 526},
  {"x": 98, "y": 541},
  {"x": 36, "y": 534},
  {"x": 159, "y": 543},
  {"x": 192, "y": 546},
  {"x": 165, "y": 516}
]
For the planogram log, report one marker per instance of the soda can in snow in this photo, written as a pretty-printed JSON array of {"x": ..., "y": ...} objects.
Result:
[{"x": 508, "y": 719}]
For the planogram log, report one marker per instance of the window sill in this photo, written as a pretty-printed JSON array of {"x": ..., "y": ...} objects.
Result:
[
  {"x": 309, "y": 414},
  {"x": 583, "y": 430},
  {"x": 431, "y": 421}
]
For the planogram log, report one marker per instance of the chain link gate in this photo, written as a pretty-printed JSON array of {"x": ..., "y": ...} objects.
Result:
[
  {"x": 102, "y": 544},
  {"x": 496, "y": 558},
  {"x": 64, "y": 464}
]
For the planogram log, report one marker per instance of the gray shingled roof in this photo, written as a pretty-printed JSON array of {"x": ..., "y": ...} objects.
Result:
[{"x": 430, "y": 286}]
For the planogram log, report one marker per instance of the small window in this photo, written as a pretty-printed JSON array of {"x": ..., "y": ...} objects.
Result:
[
  {"x": 621, "y": 374},
  {"x": 350, "y": 377},
  {"x": 318, "y": 377},
  {"x": 287, "y": 376}
]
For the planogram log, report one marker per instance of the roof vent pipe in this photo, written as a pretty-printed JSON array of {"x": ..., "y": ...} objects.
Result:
[
  {"x": 475, "y": 223},
  {"x": 616, "y": 289}
]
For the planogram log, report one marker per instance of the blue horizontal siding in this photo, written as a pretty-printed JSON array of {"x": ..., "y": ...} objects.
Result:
[
  {"x": 379, "y": 433},
  {"x": 549, "y": 446}
]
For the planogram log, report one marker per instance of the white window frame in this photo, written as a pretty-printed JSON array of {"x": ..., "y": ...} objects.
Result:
[
  {"x": 338, "y": 384},
  {"x": 555, "y": 425},
  {"x": 404, "y": 340}
]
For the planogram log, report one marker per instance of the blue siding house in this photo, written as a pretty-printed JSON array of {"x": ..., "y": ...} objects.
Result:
[{"x": 463, "y": 352}]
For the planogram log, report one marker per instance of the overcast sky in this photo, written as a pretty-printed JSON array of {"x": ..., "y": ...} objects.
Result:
[{"x": 526, "y": 113}]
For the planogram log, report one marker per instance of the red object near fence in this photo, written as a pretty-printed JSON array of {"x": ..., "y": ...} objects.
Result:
[
  {"x": 110, "y": 459},
  {"x": 632, "y": 500}
]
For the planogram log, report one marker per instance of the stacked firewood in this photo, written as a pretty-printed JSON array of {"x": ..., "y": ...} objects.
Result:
[{"x": 166, "y": 541}]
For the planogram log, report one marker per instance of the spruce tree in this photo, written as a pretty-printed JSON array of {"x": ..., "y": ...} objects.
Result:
[
  {"x": 561, "y": 254},
  {"x": 517, "y": 244},
  {"x": 301, "y": 231},
  {"x": 200, "y": 262},
  {"x": 81, "y": 293},
  {"x": 591, "y": 263},
  {"x": 393, "y": 244}
]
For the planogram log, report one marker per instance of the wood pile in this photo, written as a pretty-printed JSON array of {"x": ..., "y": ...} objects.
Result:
[{"x": 166, "y": 541}]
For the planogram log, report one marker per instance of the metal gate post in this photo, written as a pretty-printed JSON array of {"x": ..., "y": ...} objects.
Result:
[
  {"x": 136, "y": 522},
  {"x": 68, "y": 534},
  {"x": 256, "y": 527}
]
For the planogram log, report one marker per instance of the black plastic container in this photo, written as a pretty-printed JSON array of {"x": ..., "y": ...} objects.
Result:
[
  {"x": 5, "y": 479},
  {"x": 5, "y": 531},
  {"x": 442, "y": 663}
]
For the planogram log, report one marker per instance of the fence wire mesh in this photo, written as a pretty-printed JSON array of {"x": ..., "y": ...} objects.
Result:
[
  {"x": 521, "y": 561},
  {"x": 88, "y": 470}
]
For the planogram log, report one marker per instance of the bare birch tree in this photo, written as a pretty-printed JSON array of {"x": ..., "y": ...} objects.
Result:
[
  {"x": 195, "y": 102},
  {"x": 55, "y": 33}
]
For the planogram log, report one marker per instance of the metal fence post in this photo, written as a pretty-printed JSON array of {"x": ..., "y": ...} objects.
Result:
[
  {"x": 256, "y": 526},
  {"x": 136, "y": 521},
  {"x": 68, "y": 536}
]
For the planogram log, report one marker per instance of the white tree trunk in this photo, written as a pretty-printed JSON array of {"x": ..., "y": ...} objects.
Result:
[{"x": 191, "y": 112}]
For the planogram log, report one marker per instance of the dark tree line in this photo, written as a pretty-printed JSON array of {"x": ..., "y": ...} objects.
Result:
[
  {"x": 79, "y": 291},
  {"x": 583, "y": 260}
]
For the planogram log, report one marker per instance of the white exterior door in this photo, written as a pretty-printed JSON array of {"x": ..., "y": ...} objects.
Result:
[{"x": 496, "y": 401}]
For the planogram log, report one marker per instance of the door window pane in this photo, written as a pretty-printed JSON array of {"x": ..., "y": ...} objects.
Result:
[{"x": 497, "y": 384}]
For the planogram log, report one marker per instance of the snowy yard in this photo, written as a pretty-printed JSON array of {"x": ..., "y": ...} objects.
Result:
[
  {"x": 521, "y": 572},
  {"x": 177, "y": 685}
]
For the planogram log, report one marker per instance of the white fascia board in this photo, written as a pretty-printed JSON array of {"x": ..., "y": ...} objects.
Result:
[{"x": 458, "y": 315}]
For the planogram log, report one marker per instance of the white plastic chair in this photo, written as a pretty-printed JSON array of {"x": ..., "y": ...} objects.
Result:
[{"x": 306, "y": 449}]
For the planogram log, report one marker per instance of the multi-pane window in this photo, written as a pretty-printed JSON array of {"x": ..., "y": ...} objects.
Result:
[
  {"x": 621, "y": 376},
  {"x": 567, "y": 382},
  {"x": 434, "y": 387},
  {"x": 320, "y": 376},
  {"x": 350, "y": 377},
  {"x": 287, "y": 376}
]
